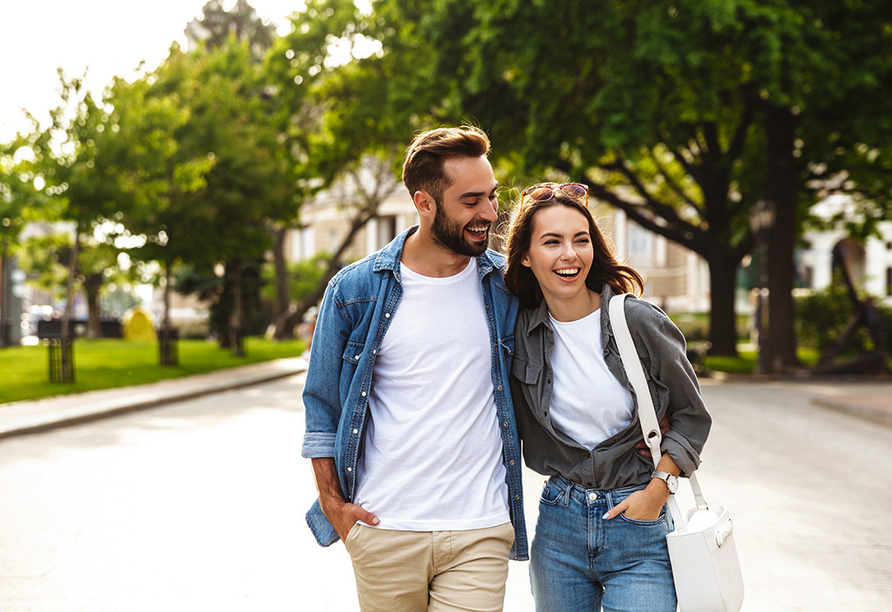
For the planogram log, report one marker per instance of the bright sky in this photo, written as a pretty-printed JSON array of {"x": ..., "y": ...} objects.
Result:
[{"x": 110, "y": 37}]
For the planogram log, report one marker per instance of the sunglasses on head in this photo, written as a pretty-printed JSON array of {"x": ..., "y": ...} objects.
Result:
[{"x": 545, "y": 191}]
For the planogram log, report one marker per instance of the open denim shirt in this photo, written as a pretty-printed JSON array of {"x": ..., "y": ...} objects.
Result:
[{"x": 359, "y": 304}]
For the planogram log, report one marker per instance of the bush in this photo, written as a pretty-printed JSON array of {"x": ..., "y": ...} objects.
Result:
[{"x": 823, "y": 316}]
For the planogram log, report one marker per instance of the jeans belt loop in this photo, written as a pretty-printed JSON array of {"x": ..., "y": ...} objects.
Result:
[{"x": 567, "y": 491}]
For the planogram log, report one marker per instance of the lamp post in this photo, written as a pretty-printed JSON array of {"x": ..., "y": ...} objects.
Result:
[{"x": 761, "y": 221}]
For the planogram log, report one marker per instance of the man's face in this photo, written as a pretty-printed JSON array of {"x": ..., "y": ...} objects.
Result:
[{"x": 467, "y": 208}]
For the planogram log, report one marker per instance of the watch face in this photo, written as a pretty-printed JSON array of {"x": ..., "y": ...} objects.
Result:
[{"x": 672, "y": 484}]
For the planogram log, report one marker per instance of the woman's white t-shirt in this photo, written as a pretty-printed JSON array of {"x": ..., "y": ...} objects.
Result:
[{"x": 589, "y": 404}]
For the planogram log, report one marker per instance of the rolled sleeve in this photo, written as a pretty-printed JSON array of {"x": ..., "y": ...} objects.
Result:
[
  {"x": 689, "y": 419},
  {"x": 318, "y": 444}
]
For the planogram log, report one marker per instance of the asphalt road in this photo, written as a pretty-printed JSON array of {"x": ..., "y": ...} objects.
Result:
[{"x": 199, "y": 506}]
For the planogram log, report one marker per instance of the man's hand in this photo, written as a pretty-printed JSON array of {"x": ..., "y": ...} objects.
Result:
[
  {"x": 344, "y": 515},
  {"x": 341, "y": 514}
]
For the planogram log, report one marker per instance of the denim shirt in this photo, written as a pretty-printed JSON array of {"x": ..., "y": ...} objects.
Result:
[
  {"x": 357, "y": 308},
  {"x": 614, "y": 463}
]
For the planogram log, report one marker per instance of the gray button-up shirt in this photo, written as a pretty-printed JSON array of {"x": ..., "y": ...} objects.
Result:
[{"x": 614, "y": 463}]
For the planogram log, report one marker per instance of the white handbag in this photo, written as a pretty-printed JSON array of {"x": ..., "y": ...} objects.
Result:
[{"x": 705, "y": 565}]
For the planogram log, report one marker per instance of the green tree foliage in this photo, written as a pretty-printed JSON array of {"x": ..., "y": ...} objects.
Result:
[{"x": 682, "y": 114}]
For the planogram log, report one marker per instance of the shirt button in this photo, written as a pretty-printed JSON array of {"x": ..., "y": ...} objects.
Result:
[
  {"x": 500, "y": 387},
  {"x": 357, "y": 357},
  {"x": 593, "y": 496},
  {"x": 386, "y": 315},
  {"x": 512, "y": 462},
  {"x": 356, "y": 431},
  {"x": 505, "y": 423},
  {"x": 363, "y": 393},
  {"x": 349, "y": 469},
  {"x": 374, "y": 351},
  {"x": 517, "y": 497}
]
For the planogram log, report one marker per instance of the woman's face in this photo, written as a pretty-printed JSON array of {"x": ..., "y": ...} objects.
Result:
[{"x": 560, "y": 254}]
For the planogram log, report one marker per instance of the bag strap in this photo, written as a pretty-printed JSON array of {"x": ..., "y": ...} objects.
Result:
[{"x": 647, "y": 414}]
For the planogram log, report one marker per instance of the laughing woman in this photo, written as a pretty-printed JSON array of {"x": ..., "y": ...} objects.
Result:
[{"x": 600, "y": 540}]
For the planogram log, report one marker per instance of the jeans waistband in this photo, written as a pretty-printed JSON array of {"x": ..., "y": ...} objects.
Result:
[{"x": 582, "y": 494}]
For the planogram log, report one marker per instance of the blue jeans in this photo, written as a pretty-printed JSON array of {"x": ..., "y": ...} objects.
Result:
[{"x": 581, "y": 562}]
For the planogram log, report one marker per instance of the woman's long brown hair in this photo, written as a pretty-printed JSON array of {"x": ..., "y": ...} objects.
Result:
[{"x": 605, "y": 268}]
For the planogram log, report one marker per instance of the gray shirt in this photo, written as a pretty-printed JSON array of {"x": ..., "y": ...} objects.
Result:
[{"x": 614, "y": 463}]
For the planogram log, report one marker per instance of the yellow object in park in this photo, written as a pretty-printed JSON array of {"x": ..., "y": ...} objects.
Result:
[{"x": 139, "y": 324}]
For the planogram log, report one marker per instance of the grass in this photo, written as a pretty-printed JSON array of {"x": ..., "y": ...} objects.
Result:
[
  {"x": 745, "y": 362},
  {"x": 106, "y": 364}
]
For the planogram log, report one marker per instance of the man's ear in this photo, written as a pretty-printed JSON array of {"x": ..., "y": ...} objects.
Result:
[{"x": 425, "y": 204}]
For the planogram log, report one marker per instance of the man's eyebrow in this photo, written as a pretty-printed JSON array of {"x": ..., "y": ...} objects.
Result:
[{"x": 476, "y": 194}]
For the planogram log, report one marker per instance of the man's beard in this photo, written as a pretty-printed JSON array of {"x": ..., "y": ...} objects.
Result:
[{"x": 449, "y": 234}]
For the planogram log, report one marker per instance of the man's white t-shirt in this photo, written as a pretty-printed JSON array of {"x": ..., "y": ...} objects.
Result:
[
  {"x": 588, "y": 404},
  {"x": 432, "y": 453}
]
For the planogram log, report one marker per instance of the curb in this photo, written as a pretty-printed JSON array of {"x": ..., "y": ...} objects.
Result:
[
  {"x": 867, "y": 413},
  {"x": 115, "y": 408}
]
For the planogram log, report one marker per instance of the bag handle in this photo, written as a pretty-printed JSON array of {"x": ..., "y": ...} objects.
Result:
[{"x": 647, "y": 414}]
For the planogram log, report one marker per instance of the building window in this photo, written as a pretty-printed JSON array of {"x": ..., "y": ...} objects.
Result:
[
  {"x": 640, "y": 245},
  {"x": 386, "y": 229}
]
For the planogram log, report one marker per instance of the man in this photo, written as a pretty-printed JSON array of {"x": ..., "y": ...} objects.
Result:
[{"x": 409, "y": 419}]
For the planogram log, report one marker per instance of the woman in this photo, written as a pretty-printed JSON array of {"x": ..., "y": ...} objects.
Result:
[{"x": 600, "y": 539}]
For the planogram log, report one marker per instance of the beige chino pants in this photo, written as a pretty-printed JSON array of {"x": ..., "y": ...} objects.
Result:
[{"x": 430, "y": 571}]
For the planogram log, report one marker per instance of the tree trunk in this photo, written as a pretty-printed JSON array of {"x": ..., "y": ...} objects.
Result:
[
  {"x": 236, "y": 342},
  {"x": 69, "y": 287},
  {"x": 92, "y": 285},
  {"x": 287, "y": 321},
  {"x": 780, "y": 188},
  {"x": 722, "y": 319},
  {"x": 283, "y": 295}
]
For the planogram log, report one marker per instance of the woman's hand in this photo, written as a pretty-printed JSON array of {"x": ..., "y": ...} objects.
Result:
[{"x": 643, "y": 505}]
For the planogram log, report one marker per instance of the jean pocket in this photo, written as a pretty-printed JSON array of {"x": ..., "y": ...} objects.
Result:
[
  {"x": 660, "y": 520},
  {"x": 551, "y": 494}
]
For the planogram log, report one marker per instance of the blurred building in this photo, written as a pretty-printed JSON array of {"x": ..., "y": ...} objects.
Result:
[
  {"x": 869, "y": 262},
  {"x": 676, "y": 279}
]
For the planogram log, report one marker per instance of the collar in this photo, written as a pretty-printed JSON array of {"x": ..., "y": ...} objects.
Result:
[{"x": 539, "y": 316}]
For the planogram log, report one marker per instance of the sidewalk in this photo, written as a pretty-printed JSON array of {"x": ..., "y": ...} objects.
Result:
[
  {"x": 21, "y": 418},
  {"x": 869, "y": 399}
]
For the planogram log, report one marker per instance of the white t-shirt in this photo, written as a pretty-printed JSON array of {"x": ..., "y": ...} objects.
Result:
[
  {"x": 589, "y": 404},
  {"x": 432, "y": 455}
]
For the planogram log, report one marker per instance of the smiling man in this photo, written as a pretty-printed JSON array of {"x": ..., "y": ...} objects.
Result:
[{"x": 409, "y": 419}]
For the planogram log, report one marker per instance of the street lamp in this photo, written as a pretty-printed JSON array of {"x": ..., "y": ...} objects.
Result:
[{"x": 761, "y": 221}]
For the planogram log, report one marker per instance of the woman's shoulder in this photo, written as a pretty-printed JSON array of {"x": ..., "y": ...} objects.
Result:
[{"x": 641, "y": 311}]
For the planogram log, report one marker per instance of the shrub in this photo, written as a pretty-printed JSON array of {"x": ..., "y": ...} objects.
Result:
[{"x": 823, "y": 316}]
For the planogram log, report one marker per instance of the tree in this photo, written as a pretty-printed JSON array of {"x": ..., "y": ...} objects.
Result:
[
  {"x": 17, "y": 192},
  {"x": 345, "y": 124},
  {"x": 74, "y": 160},
  {"x": 682, "y": 114},
  {"x": 217, "y": 25}
]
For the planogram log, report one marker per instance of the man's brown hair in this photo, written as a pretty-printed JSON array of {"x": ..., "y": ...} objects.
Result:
[{"x": 423, "y": 167}]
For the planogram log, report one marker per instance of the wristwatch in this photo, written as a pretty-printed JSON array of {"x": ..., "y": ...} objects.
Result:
[{"x": 670, "y": 480}]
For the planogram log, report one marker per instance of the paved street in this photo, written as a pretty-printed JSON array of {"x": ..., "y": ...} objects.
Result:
[{"x": 199, "y": 506}]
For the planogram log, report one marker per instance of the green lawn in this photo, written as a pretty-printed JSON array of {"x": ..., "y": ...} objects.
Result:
[
  {"x": 745, "y": 362},
  {"x": 104, "y": 364}
]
